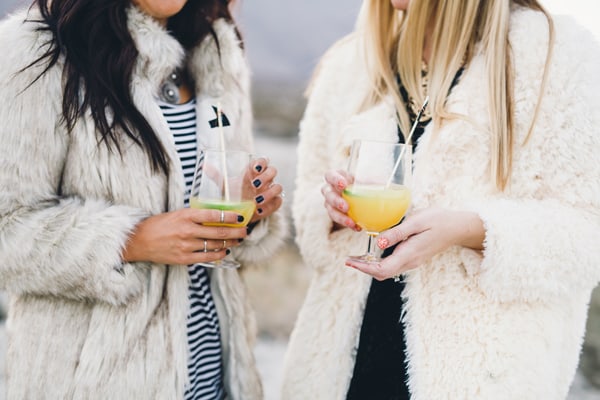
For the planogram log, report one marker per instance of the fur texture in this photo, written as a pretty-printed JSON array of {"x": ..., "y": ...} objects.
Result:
[
  {"x": 504, "y": 324},
  {"x": 81, "y": 325}
]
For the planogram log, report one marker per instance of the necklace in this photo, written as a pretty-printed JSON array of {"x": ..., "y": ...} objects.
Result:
[
  {"x": 414, "y": 107},
  {"x": 169, "y": 90}
]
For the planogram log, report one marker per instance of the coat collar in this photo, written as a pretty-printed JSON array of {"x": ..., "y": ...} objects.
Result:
[
  {"x": 159, "y": 52},
  {"x": 216, "y": 70}
]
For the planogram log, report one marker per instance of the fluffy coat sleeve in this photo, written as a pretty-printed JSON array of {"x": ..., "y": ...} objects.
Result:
[
  {"x": 545, "y": 244},
  {"x": 51, "y": 244}
]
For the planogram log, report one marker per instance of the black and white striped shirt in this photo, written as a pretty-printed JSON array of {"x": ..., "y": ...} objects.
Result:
[{"x": 205, "y": 366}]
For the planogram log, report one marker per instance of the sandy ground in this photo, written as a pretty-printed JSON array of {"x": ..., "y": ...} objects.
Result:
[{"x": 2, "y": 363}]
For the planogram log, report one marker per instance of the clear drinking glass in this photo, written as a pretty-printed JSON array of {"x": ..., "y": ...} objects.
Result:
[
  {"x": 378, "y": 194},
  {"x": 221, "y": 182}
]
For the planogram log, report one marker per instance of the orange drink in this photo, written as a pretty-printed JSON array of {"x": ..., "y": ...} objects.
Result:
[{"x": 376, "y": 208}]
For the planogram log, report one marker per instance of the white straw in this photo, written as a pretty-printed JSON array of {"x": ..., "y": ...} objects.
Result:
[
  {"x": 407, "y": 141},
  {"x": 222, "y": 143}
]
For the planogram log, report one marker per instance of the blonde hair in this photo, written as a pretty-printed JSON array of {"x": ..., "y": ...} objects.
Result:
[{"x": 458, "y": 26}]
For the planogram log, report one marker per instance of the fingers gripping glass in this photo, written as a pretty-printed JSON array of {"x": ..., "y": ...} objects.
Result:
[
  {"x": 221, "y": 183},
  {"x": 378, "y": 195}
]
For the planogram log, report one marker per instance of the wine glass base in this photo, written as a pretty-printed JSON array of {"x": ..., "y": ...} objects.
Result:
[
  {"x": 366, "y": 259},
  {"x": 225, "y": 264}
]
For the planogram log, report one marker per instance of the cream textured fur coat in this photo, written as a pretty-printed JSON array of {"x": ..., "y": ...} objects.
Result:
[
  {"x": 77, "y": 327},
  {"x": 505, "y": 324}
]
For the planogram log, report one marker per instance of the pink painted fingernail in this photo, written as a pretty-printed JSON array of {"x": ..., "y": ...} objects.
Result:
[
  {"x": 383, "y": 243},
  {"x": 340, "y": 185}
]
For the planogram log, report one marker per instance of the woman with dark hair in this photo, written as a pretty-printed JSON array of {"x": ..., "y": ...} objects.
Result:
[{"x": 106, "y": 105}]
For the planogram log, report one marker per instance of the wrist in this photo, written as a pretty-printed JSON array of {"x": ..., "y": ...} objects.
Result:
[
  {"x": 472, "y": 232},
  {"x": 131, "y": 250},
  {"x": 129, "y": 254}
]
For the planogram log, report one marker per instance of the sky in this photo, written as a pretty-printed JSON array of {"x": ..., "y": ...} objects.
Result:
[
  {"x": 586, "y": 12},
  {"x": 285, "y": 38}
]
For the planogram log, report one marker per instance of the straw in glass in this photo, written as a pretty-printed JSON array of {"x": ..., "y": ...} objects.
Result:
[
  {"x": 222, "y": 144},
  {"x": 412, "y": 130}
]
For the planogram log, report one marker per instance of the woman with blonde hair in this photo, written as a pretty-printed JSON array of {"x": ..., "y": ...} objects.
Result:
[{"x": 498, "y": 254}]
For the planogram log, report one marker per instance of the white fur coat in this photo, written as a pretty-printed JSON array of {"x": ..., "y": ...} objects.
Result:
[
  {"x": 505, "y": 324},
  {"x": 78, "y": 328}
]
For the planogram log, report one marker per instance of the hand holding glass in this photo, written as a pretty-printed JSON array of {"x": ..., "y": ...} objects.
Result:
[
  {"x": 378, "y": 195},
  {"x": 220, "y": 183}
]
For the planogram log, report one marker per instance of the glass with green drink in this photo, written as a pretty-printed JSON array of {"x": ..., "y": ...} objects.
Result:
[{"x": 221, "y": 183}]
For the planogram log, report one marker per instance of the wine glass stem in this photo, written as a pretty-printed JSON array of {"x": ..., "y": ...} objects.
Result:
[{"x": 372, "y": 250}]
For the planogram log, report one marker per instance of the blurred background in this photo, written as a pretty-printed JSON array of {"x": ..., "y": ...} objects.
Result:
[{"x": 284, "y": 40}]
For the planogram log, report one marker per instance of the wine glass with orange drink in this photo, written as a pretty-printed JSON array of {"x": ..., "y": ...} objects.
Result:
[{"x": 378, "y": 194}]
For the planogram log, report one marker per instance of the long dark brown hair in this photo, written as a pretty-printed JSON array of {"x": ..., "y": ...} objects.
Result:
[{"x": 100, "y": 56}]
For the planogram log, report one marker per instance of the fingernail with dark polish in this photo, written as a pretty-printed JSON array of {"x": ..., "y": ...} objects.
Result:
[
  {"x": 258, "y": 168},
  {"x": 240, "y": 240},
  {"x": 227, "y": 251},
  {"x": 260, "y": 199},
  {"x": 240, "y": 218},
  {"x": 260, "y": 210},
  {"x": 256, "y": 183}
]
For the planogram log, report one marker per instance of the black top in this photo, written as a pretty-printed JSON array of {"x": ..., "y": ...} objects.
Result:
[{"x": 380, "y": 366}]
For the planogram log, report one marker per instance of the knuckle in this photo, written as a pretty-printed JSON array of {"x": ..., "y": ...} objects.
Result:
[
  {"x": 273, "y": 205},
  {"x": 187, "y": 232},
  {"x": 267, "y": 196},
  {"x": 231, "y": 218},
  {"x": 273, "y": 170},
  {"x": 221, "y": 232},
  {"x": 185, "y": 248},
  {"x": 395, "y": 235},
  {"x": 277, "y": 189},
  {"x": 179, "y": 247}
]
